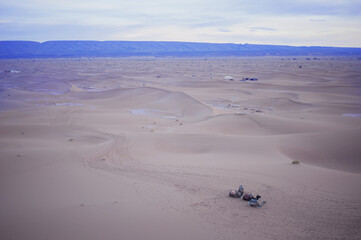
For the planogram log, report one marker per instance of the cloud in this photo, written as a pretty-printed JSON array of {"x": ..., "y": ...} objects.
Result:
[
  {"x": 317, "y": 20},
  {"x": 300, "y": 7},
  {"x": 224, "y": 30},
  {"x": 261, "y": 29},
  {"x": 301, "y": 22}
]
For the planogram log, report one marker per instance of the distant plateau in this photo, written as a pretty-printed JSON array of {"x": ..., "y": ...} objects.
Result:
[{"x": 75, "y": 49}]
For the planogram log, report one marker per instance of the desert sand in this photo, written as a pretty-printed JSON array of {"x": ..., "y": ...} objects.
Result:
[{"x": 149, "y": 148}]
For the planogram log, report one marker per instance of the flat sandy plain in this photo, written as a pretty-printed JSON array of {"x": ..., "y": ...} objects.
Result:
[{"x": 149, "y": 148}]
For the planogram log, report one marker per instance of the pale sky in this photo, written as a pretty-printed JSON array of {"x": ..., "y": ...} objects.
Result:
[{"x": 281, "y": 22}]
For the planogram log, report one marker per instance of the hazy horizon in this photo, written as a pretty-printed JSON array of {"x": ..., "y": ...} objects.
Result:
[
  {"x": 92, "y": 40},
  {"x": 300, "y": 23}
]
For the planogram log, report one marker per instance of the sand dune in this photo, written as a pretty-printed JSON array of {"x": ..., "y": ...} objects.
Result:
[
  {"x": 151, "y": 99},
  {"x": 282, "y": 104},
  {"x": 149, "y": 148},
  {"x": 337, "y": 150}
]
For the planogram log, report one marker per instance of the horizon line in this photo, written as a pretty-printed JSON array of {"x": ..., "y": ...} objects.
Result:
[{"x": 268, "y": 44}]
